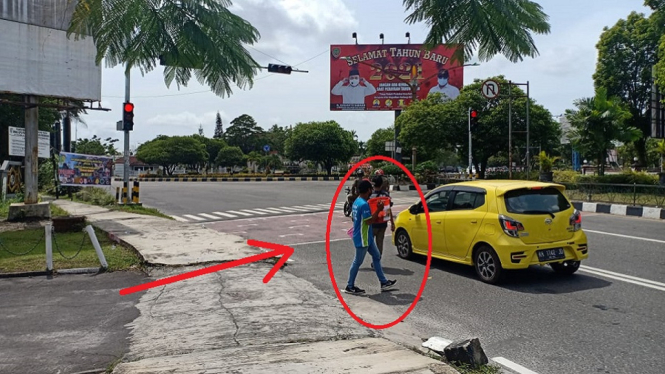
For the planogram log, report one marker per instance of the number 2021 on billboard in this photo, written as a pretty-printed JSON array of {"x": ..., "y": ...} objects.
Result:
[{"x": 381, "y": 76}]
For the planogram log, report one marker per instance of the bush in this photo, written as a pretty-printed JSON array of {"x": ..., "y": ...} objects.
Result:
[
  {"x": 566, "y": 176},
  {"x": 627, "y": 177},
  {"x": 96, "y": 196}
]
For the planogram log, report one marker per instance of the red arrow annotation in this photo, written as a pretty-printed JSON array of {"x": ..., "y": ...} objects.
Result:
[{"x": 276, "y": 250}]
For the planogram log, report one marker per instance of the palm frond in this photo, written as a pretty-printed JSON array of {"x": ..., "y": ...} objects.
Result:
[
  {"x": 200, "y": 38},
  {"x": 490, "y": 26}
]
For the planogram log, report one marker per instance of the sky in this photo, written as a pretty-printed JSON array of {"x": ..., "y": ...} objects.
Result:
[{"x": 300, "y": 32}]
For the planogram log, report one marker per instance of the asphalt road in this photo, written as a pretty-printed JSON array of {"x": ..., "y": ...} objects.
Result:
[
  {"x": 65, "y": 323},
  {"x": 605, "y": 319}
]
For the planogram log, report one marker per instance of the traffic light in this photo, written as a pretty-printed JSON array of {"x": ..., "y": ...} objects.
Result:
[
  {"x": 128, "y": 116},
  {"x": 473, "y": 114},
  {"x": 281, "y": 69}
]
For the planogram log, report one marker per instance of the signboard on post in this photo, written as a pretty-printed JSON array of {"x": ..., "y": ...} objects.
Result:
[
  {"x": 84, "y": 170},
  {"x": 490, "y": 89},
  {"x": 378, "y": 76},
  {"x": 17, "y": 142}
]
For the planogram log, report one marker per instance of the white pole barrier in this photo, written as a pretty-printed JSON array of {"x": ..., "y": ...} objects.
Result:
[
  {"x": 49, "y": 247},
  {"x": 98, "y": 248}
]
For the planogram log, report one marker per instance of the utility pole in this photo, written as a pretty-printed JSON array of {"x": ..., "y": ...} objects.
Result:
[
  {"x": 510, "y": 130},
  {"x": 31, "y": 149},
  {"x": 528, "y": 150}
]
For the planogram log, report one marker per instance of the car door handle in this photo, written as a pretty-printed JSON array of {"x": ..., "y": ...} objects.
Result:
[
  {"x": 474, "y": 221},
  {"x": 439, "y": 222}
]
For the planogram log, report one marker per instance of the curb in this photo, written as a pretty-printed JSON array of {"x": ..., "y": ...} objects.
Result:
[
  {"x": 26, "y": 274},
  {"x": 620, "y": 210},
  {"x": 243, "y": 179}
]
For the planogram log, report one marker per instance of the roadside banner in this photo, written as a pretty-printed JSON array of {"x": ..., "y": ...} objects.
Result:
[
  {"x": 378, "y": 76},
  {"x": 84, "y": 170},
  {"x": 17, "y": 142}
]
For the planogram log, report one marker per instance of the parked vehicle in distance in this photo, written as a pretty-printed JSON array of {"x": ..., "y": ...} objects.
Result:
[{"x": 496, "y": 225}]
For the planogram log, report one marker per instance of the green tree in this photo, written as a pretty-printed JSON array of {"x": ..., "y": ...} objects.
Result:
[
  {"x": 253, "y": 160},
  {"x": 96, "y": 146},
  {"x": 219, "y": 127},
  {"x": 198, "y": 37},
  {"x": 437, "y": 126},
  {"x": 270, "y": 163},
  {"x": 323, "y": 142},
  {"x": 493, "y": 27},
  {"x": 275, "y": 138},
  {"x": 212, "y": 147},
  {"x": 229, "y": 157},
  {"x": 597, "y": 122},
  {"x": 658, "y": 22},
  {"x": 626, "y": 54},
  {"x": 376, "y": 145},
  {"x": 171, "y": 151},
  {"x": 244, "y": 133}
]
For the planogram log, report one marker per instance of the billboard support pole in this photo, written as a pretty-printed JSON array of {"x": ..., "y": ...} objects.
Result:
[
  {"x": 470, "y": 154},
  {"x": 528, "y": 153},
  {"x": 31, "y": 149},
  {"x": 125, "y": 169}
]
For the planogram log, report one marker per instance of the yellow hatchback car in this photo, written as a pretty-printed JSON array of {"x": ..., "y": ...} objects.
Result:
[{"x": 495, "y": 225}]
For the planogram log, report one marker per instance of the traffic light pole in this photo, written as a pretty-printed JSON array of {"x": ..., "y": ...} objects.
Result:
[
  {"x": 125, "y": 169},
  {"x": 470, "y": 156}
]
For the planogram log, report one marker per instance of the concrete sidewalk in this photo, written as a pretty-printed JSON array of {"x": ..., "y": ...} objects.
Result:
[{"x": 231, "y": 322}]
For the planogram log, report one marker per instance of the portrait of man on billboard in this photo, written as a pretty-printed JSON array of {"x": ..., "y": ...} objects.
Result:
[
  {"x": 449, "y": 92},
  {"x": 353, "y": 89}
]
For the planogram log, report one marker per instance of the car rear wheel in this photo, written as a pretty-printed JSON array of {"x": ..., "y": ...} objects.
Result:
[
  {"x": 487, "y": 265},
  {"x": 566, "y": 267},
  {"x": 403, "y": 243}
]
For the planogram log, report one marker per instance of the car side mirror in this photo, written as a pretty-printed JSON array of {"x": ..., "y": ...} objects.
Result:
[{"x": 414, "y": 209}]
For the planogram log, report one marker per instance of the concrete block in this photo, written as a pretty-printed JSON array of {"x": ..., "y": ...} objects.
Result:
[
  {"x": 466, "y": 351},
  {"x": 24, "y": 212}
]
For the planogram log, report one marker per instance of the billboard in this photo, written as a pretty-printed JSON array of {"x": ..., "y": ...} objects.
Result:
[
  {"x": 37, "y": 57},
  {"x": 377, "y": 76},
  {"x": 17, "y": 142},
  {"x": 84, "y": 170}
]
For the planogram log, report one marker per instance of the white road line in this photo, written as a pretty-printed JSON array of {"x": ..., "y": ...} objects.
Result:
[
  {"x": 251, "y": 224},
  {"x": 209, "y": 216},
  {"x": 513, "y": 366},
  {"x": 319, "y": 242},
  {"x": 194, "y": 217},
  {"x": 285, "y": 235},
  {"x": 306, "y": 207},
  {"x": 253, "y": 212},
  {"x": 240, "y": 213},
  {"x": 626, "y": 278},
  {"x": 179, "y": 219},
  {"x": 625, "y": 236},
  {"x": 294, "y": 209},
  {"x": 293, "y": 227},
  {"x": 286, "y": 210},
  {"x": 268, "y": 211},
  {"x": 224, "y": 214}
]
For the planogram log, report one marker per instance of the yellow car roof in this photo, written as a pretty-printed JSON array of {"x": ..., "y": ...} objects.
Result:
[{"x": 502, "y": 186}]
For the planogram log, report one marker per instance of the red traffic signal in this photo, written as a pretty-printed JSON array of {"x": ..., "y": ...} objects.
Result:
[
  {"x": 474, "y": 114},
  {"x": 128, "y": 116}
]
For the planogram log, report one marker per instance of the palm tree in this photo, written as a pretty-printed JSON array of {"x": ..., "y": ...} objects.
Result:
[
  {"x": 199, "y": 36},
  {"x": 597, "y": 123},
  {"x": 361, "y": 148},
  {"x": 496, "y": 26}
]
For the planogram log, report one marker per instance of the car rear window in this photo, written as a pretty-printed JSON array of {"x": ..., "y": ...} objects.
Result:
[{"x": 536, "y": 201}]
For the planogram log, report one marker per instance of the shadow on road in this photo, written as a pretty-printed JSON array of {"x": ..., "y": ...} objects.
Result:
[
  {"x": 534, "y": 280},
  {"x": 390, "y": 271},
  {"x": 394, "y": 298}
]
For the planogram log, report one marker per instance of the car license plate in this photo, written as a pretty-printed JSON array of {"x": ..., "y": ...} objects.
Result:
[{"x": 550, "y": 254}]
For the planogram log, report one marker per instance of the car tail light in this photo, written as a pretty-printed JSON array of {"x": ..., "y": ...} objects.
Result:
[
  {"x": 510, "y": 226},
  {"x": 576, "y": 220}
]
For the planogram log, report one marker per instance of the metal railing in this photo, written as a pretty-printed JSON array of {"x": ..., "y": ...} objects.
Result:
[{"x": 630, "y": 194}]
